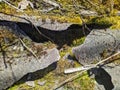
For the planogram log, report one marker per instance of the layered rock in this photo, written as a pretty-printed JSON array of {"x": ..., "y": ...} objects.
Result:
[
  {"x": 20, "y": 66},
  {"x": 98, "y": 44}
]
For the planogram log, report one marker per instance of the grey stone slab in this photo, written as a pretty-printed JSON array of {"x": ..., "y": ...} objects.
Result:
[
  {"x": 97, "y": 45},
  {"x": 23, "y": 65},
  {"x": 47, "y": 23}
]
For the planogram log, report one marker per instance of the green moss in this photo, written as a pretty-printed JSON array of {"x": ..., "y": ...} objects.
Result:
[
  {"x": 114, "y": 21},
  {"x": 82, "y": 83},
  {"x": 79, "y": 41},
  {"x": 15, "y": 87},
  {"x": 66, "y": 49}
]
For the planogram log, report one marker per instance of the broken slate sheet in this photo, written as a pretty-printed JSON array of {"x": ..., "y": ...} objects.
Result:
[
  {"x": 20, "y": 66},
  {"x": 47, "y": 23},
  {"x": 98, "y": 44}
]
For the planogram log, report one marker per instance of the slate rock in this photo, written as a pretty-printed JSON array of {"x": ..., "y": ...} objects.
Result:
[
  {"x": 108, "y": 78},
  {"x": 97, "y": 45},
  {"x": 24, "y": 65},
  {"x": 47, "y": 23}
]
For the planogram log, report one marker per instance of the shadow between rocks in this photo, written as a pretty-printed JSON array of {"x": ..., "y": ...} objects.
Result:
[
  {"x": 36, "y": 75},
  {"x": 102, "y": 77},
  {"x": 60, "y": 37}
]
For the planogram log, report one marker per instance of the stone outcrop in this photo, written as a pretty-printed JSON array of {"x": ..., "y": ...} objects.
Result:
[
  {"x": 47, "y": 23},
  {"x": 98, "y": 44},
  {"x": 20, "y": 66}
]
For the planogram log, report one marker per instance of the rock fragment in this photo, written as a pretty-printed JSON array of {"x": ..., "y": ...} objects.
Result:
[
  {"x": 98, "y": 44},
  {"x": 30, "y": 83}
]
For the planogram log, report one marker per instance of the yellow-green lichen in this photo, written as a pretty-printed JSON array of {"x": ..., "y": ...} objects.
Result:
[
  {"x": 113, "y": 21},
  {"x": 79, "y": 41},
  {"x": 84, "y": 82}
]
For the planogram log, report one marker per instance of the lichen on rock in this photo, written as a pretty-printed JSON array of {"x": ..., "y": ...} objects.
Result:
[{"x": 98, "y": 45}]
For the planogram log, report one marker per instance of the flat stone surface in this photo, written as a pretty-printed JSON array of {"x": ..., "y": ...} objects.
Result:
[
  {"x": 37, "y": 21},
  {"x": 25, "y": 64},
  {"x": 97, "y": 45}
]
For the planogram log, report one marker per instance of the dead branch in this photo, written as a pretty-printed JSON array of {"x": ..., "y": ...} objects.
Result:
[
  {"x": 93, "y": 4},
  {"x": 28, "y": 20},
  {"x": 84, "y": 69},
  {"x": 12, "y": 5},
  {"x": 28, "y": 48},
  {"x": 83, "y": 22},
  {"x": 52, "y": 3},
  {"x": 100, "y": 63},
  {"x": 68, "y": 80},
  {"x": 111, "y": 5}
]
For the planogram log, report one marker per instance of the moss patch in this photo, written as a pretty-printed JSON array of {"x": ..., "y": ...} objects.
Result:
[
  {"x": 57, "y": 76},
  {"x": 82, "y": 83},
  {"x": 114, "y": 21}
]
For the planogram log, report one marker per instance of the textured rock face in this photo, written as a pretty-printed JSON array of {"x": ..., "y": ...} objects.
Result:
[
  {"x": 47, "y": 23},
  {"x": 23, "y": 65},
  {"x": 98, "y": 45},
  {"x": 108, "y": 78}
]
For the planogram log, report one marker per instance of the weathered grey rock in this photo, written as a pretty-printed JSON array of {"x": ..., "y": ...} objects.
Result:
[
  {"x": 37, "y": 21},
  {"x": 108, "y": 78},
  {"x": 20, "y": 66},
  {"x": 41, "y": 83},
  {"x": 30, "y": 83},
  {"x": 98, "y": 45}
]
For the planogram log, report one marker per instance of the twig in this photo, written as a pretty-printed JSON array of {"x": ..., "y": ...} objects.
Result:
[
  {"x": 104, "y": 60},
  {"x": 4, "y": 54},
  {"x": 41, "y": 33},
  {"x": 83, "y": 22},
  {"x": 71, "y": 70},
  {"x": 83, "y": 69},
  {"x": 29, "y": 21},
  {"x": 93, "y": 4},
  {"x": 68, "y": 80},
  {"x": 28, "y": 48},
  {"x": 52, "y": 3},
  {"x": 12, "y": 5}
]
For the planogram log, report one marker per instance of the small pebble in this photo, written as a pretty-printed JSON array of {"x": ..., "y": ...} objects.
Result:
[
  {"x": 30, "y": 83},
  {"x": 41, "y": 83},
  {"x": 15, "y": 47}
]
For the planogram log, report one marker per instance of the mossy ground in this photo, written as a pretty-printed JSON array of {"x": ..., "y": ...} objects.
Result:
[
  {"x": 56, "y": 76},
  {"x": 113, "y": 21},
  {"x": 53, "y": 78}
]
